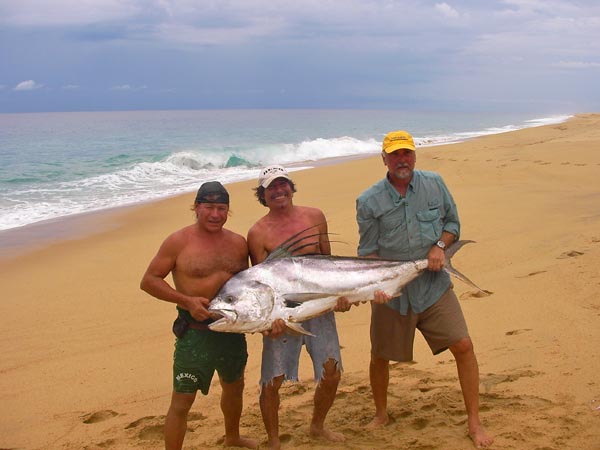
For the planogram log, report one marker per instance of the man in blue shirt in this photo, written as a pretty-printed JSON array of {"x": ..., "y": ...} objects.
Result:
[{"x": 411, "y": 215}]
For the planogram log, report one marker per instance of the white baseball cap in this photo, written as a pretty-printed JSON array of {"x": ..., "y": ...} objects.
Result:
[{"x": 271, "y": 173}]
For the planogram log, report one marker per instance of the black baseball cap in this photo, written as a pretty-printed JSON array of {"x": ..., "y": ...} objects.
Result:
[{"x": 212, "y": 192}]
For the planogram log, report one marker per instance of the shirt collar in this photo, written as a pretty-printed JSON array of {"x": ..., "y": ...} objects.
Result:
[{"x": 392, "y": 190}]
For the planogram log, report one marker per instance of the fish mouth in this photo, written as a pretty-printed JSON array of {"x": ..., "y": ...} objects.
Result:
[{"x": 221, "y": 316}]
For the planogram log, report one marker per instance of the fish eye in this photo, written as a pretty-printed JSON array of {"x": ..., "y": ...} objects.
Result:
[{"x": 229, "y": 299}]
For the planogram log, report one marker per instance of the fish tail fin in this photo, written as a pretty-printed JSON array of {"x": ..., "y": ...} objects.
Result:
[{"x": 450, "y": 252}]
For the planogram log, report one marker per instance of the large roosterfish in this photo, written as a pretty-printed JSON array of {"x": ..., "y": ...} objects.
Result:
[{"x": 298, "y": 288}]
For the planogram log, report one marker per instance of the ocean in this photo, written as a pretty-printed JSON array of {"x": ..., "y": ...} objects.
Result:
[{"x": 55, "y": 165}]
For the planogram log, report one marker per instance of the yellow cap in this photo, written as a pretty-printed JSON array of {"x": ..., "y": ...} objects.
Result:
[{"x": 397, "y": 140}]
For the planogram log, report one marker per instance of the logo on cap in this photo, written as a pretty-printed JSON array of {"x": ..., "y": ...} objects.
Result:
[
  {"x": 212, "y": 192},
  {"x": 397, "y": 140},
  {"x": 271, "y": 173}
]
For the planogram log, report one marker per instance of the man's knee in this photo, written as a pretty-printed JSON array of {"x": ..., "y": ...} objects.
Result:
[
  {"x": 462, "y": 347},
  {"x": 181, "y": 403},
  {"x": 376, "y": 361},
  {"x": 234, "y": 387},
  {"x": 271, "y": 388},
  {"x": 331, "y": 371}
]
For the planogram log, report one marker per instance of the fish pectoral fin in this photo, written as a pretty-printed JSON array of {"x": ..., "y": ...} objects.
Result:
[
  {"x": 291, "y": 303},
  {"x": 296, "y": 299},
  {"x": 296, "y": 328}
]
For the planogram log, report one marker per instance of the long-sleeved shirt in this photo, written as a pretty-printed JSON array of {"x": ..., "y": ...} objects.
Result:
[{"x": 405, "y": 229}]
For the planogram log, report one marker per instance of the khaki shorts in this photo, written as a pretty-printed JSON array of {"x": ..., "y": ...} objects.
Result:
[{"x": 392, "y": 334}]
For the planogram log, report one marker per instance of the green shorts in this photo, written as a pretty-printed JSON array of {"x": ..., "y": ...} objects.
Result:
[{"x": 200, "y": 352}]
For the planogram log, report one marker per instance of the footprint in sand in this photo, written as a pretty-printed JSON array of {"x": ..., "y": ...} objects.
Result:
[
  {"x": 285, "y": 438},
  {"x": 530, "y": 274},
  {"x": 109, "y": 443},
  {"x": 145, "y": 421},
  {"x": 152, "y": 433},
  {"x": 295, "y": 389},
  {"x": 149, "y": 428},
  {"x": 475, "y": 294},
  {"x": 492, "y": 379},
  {"x": 515, "y": 332},
  {"x": 99, "y": 416},
  {"x": 571, "y": 254},
  {"x": 419, "y": 423}
]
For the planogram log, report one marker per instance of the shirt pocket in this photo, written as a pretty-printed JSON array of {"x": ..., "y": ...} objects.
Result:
[
  {"x": 430, "y": 225},
  {"x": 392, "y": 222}
]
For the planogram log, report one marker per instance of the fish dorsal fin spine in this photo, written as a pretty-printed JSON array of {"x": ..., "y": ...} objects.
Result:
[{"x": 290, "y": 246}]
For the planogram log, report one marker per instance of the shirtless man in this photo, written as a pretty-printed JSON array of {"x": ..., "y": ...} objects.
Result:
[
  {"x": 281, "y": 353},
  {"x": 201, "y": 258}
]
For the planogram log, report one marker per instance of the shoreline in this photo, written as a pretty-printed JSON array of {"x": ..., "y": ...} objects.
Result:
[
  {"x": 22, "y": 240},
  {"x": 50, "y": 230}
]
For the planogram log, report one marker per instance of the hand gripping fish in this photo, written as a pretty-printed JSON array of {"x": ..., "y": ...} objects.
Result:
[{"x": 298, "y": 288}]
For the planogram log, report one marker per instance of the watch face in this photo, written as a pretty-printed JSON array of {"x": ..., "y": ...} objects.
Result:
[{"x": 441, "y": 244}]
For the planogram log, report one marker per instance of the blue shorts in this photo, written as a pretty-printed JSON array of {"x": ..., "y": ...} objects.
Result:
[{"x": 281, "y": 355}]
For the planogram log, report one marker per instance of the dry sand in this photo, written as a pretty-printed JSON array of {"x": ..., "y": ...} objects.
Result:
[{"x": 86, "y": 356}]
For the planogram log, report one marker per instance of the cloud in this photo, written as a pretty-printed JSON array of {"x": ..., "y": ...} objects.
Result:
[
  {"x": 576, "y": 65},
  {"x": 28, "y": 85},
  {"x": 128, "y": 87},
  {"x": 447, "y": 10},
  {"x": 68, "y": 12},
  {"x": 311, "y": 49}
]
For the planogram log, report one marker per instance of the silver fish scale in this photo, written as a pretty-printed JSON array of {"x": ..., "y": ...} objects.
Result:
[{"x": 337, "y": 275}]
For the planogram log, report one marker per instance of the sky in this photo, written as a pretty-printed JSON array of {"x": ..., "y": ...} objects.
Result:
[{"x": 455, "y": 55}]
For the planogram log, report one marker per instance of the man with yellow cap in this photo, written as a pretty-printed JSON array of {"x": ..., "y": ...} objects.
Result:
[{"x": 411, "y": 215}]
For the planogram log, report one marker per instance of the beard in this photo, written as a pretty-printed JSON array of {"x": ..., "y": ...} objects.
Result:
[{"x": 402, "y": 172}]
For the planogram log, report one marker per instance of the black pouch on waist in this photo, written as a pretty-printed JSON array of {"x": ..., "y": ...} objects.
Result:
[{"x": 180, "y": 327}]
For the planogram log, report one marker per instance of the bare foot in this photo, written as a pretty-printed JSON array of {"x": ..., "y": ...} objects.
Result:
[
  {"x": 274, "y": 444},
  {"x": 480, "y": 437},
  {"x": 241, "y": 441},
  {"x": 325, "y": 433},
  {"x": 378, "y": 422}
]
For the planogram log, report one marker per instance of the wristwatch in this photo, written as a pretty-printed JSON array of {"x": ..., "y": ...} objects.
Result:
[{"x": 441, "y": 244}]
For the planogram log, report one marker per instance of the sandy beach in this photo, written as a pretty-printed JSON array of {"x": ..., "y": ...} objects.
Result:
[{"x": 86, "y": 355}]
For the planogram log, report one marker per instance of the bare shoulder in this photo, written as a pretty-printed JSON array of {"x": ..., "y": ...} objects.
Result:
[
  {"x": 257, "y": 230},
  {"x": 177, "y": 239},
  {"x": 234, "y": 238},
  {"x": 312, "y": 214}
]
